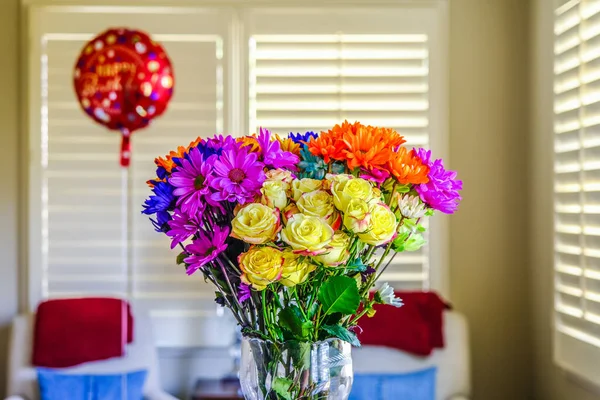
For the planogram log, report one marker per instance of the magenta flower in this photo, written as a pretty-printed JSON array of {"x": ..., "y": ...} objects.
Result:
[
  {"x": 204, "y": 249},
  {"x": 219, "y": 142},
  {"x": 272, "y": 154},
  {"x": 182, "y": 227},
  {"x": 244, "y": 292},
  {"x": 191, "y": 182},
  {"x": 376, "y": 175},
  {"x": 441, "y": 192},
  {"x": 238, "y": 175}
]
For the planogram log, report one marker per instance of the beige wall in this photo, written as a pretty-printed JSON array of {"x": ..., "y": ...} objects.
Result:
[
  {"x": 550, "y": 382},
  {"x": 9, "y": 156},
  {"x": 488, "y": 135}
]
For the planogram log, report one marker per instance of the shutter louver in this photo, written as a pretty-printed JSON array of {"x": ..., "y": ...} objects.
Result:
[
  {"x": 312, "y": 82},
  {"x": 577, "y": 186}
]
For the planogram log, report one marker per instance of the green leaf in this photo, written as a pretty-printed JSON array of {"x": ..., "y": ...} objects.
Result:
[
  {"x": 278, "y": 332},
  {"x": 429, "y": 212},
  {"x": 398, "y": 244},
  {"x": 402, "y": 189},
  {"x": 180, "y": 257},
  {"x": 342, "y": 333},
  {"x": 312, "y": 310},
  {"x": 291, "y": 319},
  {"x": 339, "y": 294},
  {"x": 414, "y": 243},
  {"x": 332, "y": 319},
  {"x": 377, "y": 298},
  {"x": 300, "y": 352},
  {"x": 281, "y": 386},
  {"x": 410, "y": 224}
]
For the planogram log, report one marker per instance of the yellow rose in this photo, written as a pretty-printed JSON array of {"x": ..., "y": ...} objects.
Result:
[
  {"x": 357, "y": 216},
  {"x": 280, "y": 175},
  {"x": 261, "y": 266},
  {"x": 295, "y": 269},
  {"x": 289, "y": 212},
  {"x": 330, "y": 179},
  {"x": 274, "y": 194},
  {"x": 338, "y": 252},
  {"x": 382, "y": 227},
  {"x": 307, "y": 235},
  {"x": 339, "y": 177},
  {"x": 304, "y": 185},
  {"x": 256, "y": 224},
  {"x": 318, "y": 203},
  {"x": 347, "y": 190}
]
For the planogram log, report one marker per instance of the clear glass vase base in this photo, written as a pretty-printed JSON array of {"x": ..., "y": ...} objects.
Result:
[{"x": 296, "y": 370}]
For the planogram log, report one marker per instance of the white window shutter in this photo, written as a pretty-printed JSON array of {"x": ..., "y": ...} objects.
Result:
[
  {"x": 577, "y": 187},
  {"x": 307, "y": 68},
  {"x": 81, "y": 196},
  {"x": 306, "y": 76}
]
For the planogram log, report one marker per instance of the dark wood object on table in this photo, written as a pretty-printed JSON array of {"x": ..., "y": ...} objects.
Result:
[{"x": 217, "y": 390}]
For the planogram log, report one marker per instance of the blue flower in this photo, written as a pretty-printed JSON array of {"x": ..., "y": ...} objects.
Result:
[
  {"x": 161, "y": 222},
  {"x": 311, "y": 166},
  {"x": 161, "y": 172},
  {"x": 207, "y": 148},
  {"x": 162, "y": 200},
  {"x": 302, "y": 137}
]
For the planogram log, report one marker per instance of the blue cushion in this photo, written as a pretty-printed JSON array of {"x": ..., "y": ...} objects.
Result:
[
  {"x": 418, "y": 385},
  {"x": 57, "y": 385}
]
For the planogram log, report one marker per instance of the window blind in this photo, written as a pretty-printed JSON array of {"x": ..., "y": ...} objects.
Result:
[
  {"x": 84, "y": 218},
  {"x": 577, "y": 187},
  {"x": 312, "y": 81}
]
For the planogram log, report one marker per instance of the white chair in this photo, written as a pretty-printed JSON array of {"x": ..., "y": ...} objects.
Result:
[
  {"x": 141, "y": 354},
  {"x": 452, "y": 362}
]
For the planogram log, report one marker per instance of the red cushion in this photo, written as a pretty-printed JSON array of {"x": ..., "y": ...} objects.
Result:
[
  {"x": 69, "y": 332},
  {"x": 417, "y": 327}
]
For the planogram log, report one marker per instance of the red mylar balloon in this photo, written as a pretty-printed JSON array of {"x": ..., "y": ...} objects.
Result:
[{"x": 123, "y": 80}]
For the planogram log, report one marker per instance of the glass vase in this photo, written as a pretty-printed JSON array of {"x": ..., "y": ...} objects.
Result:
[{"x": 296, "y": 370}]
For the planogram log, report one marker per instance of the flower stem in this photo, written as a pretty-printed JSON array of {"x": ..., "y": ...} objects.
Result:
[
  {"x": 232, "y": 291},
  {"x": 358, "y": 316}
]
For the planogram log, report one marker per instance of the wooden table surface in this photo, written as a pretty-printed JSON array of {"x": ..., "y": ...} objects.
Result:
[{"x": 217, "y": 390}]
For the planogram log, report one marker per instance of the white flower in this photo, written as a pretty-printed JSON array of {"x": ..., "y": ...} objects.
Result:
[
  {"x": 411, "y": 206},
  {"x": 387, "y": 296}
]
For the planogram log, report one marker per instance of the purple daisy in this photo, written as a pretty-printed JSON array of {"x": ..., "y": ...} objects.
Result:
[
  {"x": 244, "y": 292},
  {"x": 238, "y": 175},
  {"x": 272, "y": 154},
  {"x": 181, "y": 227},
  {"x": 191, "y": 182},
  {"x": 441, "y": 192},
  {"x": 204, "y": 249},
  {"x": 219, "y": 142}
]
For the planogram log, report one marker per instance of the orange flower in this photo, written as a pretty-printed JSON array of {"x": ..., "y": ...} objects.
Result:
[
  {"x": 370, "y": 147},
  {"x": 363, "y": 146},
  {"x": 249, "y": 141},
  {"x": 167, "y": 163},
  {"x": 288, "y": 144},
  {"x": 407, "y": 167},
  {"x": 330, "y": 144},
  {"x": 154, "y": 181}
]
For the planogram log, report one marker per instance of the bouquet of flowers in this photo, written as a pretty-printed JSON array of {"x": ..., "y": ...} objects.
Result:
[{"x": 294, "y": 231}]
